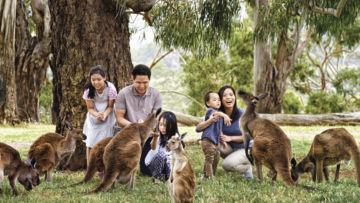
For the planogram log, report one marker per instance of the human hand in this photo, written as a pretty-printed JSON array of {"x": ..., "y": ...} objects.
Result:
[
  {"x": 227, "y": 120},
  {"x": 225, "y": 138},
  {"x": 154, "y": 134},
  {"x": 140, "y": 121},
  {"x": 100, "y": 116},
  {"x": 214, "y": 117},
  {"x": 104, "y": 117},
  {"x": 223, "y": 144}
]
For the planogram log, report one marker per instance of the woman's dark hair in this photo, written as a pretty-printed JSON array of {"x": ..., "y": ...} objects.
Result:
[
  {"x": 207, "y": 97},
  {"x": 141, "y": 70},
  {"x": 171, "y": 127},
  {"x": 94, "y": 70},
  {"x": 235, "y": 114}
]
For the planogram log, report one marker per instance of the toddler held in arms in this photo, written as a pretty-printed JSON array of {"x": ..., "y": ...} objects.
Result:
[{"x": 211, "y": 135}]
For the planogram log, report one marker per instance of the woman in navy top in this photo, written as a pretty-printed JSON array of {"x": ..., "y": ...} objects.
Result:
[{"x": 234, "y": 152}]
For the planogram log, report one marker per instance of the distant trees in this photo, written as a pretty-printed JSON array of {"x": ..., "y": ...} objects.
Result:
[{"x": 233, "y": 66}]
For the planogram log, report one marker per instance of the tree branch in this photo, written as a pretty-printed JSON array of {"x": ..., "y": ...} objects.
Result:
[
  {"x": 304, "y": 43},
  {"x": 185, "y": 95},
  {"x": 330, "y": 11},
  {"x": 312, "y": 60},
  {"x": 155, "y": 61}
]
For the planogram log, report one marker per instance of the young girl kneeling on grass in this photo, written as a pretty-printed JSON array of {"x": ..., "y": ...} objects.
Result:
[
  {"x": 157, "y": 160},
  {"x": 100, "y": 96}
]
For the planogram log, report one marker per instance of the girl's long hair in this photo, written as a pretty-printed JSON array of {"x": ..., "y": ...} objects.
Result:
[
  {"x": 94, "y": 70},
  {"x": 235, "y": 114},
  {"x": 171, "y": 127}
]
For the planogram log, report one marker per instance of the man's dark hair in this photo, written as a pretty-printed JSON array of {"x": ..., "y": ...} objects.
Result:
[{"x": 141, "y": 69}]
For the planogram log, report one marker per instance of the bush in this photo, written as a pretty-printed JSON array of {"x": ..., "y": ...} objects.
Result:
[
  {"x": 291, "y": 103},
  {"x": 321, "y": 102}
]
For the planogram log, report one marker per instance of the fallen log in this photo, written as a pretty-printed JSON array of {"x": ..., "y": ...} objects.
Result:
[{"x": 290, "y": 119}]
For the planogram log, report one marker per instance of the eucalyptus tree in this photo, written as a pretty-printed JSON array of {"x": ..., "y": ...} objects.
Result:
[
  {"x": 278, "y": 25},
  {"x": 7, "y": 61},
  {"x": 25, "y": 58},
  {"x": 282, "y": 21}
]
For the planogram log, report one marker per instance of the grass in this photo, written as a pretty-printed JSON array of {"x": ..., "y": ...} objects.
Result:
[{"x": 225, "y": 187}]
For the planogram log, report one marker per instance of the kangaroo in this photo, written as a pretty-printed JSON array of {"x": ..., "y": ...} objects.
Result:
[
  {"x": 49, "y": 149},
  {"x": 12, "y": 166},
  {"x": 328, "y": 148},
  {"x": 122, "y": 153},
  {"x": 271, "y": 147},
  {"x": 96, "y": 160},
  {"x": 182, "y": 181}
]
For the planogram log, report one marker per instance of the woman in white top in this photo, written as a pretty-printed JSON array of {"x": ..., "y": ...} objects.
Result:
[{"x": 100, "y": 96}]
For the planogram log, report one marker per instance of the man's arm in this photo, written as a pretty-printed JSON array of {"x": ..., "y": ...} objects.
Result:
[{"x": 120, "y": 118}]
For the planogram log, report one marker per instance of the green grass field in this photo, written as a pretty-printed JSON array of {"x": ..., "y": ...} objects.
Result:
[{"x": 225, "y": 187}]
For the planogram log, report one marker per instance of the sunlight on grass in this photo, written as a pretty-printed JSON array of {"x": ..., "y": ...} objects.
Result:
[{"x": 225, "y": 187}]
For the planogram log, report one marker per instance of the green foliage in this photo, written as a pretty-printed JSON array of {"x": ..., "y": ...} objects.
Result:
[
  {"x": 279, "y": 16},
  {"x": 347, "y": 83},
  {"x": 233, "y": 68},
  {"x": 321, "y": 102},
  {"x": 283, "y": 15},
  {"x": 303, "y": 70},
  {"x": 343, "y": 28},
  {"x": 198, "y": 26},
  {"x": 291, "y": 103},
  {"x": 163, "y": 79},
  {"x": 45, "y": 103}
]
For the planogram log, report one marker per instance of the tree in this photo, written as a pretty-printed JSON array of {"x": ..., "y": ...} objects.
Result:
[
  {"x": 319, "y": 65},
  {"x": 347, "y": 83},
  {"x": 26, "y": 59},
  {"x": 7, "y": 62},
  {"x": 31, "y": 60},
  {"x": 233, "y": 67},
  {"x": 84, "y": 34},
  {"x": 276, "y": 19}
]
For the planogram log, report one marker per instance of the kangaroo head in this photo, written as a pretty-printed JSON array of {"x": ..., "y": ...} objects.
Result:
[
  {"x": 303, "y": 167},
  {"x": 251, "y": 99},
  {"x": 151, "y": 119},
  {"x": 175, "y": 142},
  {"x": 28, "y": 177},
  {"x": 75, "y": 134}
]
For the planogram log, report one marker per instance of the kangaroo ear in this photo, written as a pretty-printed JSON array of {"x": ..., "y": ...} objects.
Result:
[
  {"x": 33, "y": 163},
  {"x": 240, "y": 92},
  {"x": 68, "y": 125},
  {"x": 158, "y": 111},
  {"x": 262, "y": 96},
  {"x": 293, "y": 162},
  {"x": 183, "y": 136}
]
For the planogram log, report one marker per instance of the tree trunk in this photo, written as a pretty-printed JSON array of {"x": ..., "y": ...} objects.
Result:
[
  {"x": 270, "y": 77},
  {"x": 85, "y": 34},
  {"x": 31, "y": 58},
  {"x": 7, "y": 61}
]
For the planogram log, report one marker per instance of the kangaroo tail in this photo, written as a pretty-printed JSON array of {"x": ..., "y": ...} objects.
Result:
[
  {"x": 247, "y": 137},
  {"x": 108, "y": 180},
  {"x": 355, "y": 154},
  {"x": 91, "y": 169}
]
